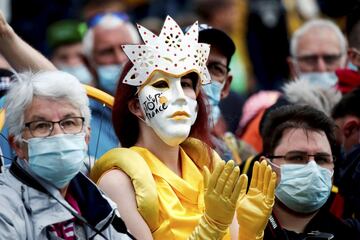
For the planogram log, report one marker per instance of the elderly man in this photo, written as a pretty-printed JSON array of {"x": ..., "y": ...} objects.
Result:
[
  {"x": 300, "y": 141},
  {"x": 43, "y": 195},
  {"x": 102, "y": 47},
  {"x": 317, "y": 49}
]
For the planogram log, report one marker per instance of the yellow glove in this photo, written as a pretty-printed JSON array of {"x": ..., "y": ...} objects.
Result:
[
  {"x": 222, "y": 190},
  {"x": 255, "y": 208}
]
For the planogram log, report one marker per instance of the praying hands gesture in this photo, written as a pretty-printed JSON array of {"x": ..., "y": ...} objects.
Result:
[{"x": 222, "y": 190}]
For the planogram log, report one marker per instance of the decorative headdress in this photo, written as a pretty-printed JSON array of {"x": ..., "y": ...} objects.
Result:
[{"x": 172, "y": 52}]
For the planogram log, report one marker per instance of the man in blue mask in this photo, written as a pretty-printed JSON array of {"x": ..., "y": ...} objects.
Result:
[
  {"x": 299, "y": 142},
  {"x": 64, "y": 39},
  {"x": 102, "y": 47},
  {"x": 221, "y": 51},
  {"x": 317, "y": 49},
  {"x": 43, "y": 195}
]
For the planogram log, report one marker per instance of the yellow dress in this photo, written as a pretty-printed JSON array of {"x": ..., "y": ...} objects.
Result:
[{"x": 180, "y": 200}]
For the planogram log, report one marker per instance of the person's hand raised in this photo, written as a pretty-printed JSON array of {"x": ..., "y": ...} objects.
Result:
[
  {"x": 222, "y": 190},
  {"x": 5, "y": 28},
  {"x": 255, "y": 208}
]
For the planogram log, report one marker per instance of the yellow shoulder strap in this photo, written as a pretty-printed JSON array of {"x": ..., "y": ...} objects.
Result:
[{"x": 136, "y": 168}]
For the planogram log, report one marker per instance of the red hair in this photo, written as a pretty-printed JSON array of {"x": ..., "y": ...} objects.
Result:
[{"x": 126, "y": 124}]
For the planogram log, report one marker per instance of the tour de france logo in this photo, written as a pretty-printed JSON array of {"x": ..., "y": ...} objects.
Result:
[{"x": 153, "y": 105}]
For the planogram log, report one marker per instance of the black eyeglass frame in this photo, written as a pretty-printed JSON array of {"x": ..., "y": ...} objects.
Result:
[
  {"x": 271, "y": 157},
  {"x": 27, "y": 125}
]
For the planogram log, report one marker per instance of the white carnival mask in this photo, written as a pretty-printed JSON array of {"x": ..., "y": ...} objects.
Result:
[
  {"x": 170, "y": 107},
  {"x": 172, "y": 52}
]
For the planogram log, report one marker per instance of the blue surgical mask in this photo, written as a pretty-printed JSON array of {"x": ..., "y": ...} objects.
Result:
[
  {"x": 213, "y": 93},
  {"x": 109, "y": 76},
  {"x": 57, "y": 159},
  {"x": 304, "y": 188},
  {"x": 80, "y": 72},
  {"x": 322, "y": 79},
  {"x": 353, "y": 67}
]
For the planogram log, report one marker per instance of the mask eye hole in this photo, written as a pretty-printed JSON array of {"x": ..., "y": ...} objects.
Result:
[
  {"x": 190, "y": 80},
  {"x": 161, "y": 84}
]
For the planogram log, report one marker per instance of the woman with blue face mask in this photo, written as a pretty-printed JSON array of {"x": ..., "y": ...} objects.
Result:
[
  {"x": 43, "y": 195},
  {"x": 161, "y": 177},
  {"x": 299, "y": 142}
]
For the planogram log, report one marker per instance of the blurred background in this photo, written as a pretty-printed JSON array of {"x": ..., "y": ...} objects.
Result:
[{"x": 261, "y": 30}]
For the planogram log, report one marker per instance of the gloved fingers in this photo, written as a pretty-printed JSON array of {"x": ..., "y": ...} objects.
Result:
[
  {"x": 222, "y": 179},
  {"x": 270, "y": 195},
  {"x": 267, "y": 178},
  {"x": 215, "y": 175},
  {"x": 231, "y": 182},
  {"x": 261, "y": 175},
  {"x": 206, "y": 176},
  {"x": 253, "y": 182},
  {"x": 240, "y": 188}
]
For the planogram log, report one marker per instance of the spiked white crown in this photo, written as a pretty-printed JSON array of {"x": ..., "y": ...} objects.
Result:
[{"x": 172, "y": 52}]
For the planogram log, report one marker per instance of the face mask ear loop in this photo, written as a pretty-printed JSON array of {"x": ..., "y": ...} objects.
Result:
[{"x": 273, "y": 164}]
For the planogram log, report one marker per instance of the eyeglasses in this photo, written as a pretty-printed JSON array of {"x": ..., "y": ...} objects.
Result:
[
  {"x": 329, "y": 59},
  {"x": 41, "y": 128},
  {"x": 298, "y": 157},
  {"x": 92, "y": 22},
  {"x": 217, "y": 70}
]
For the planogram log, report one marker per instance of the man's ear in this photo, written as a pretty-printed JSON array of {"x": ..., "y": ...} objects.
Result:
[
  {"x": 292, "y": 68},
  {"x": 350, "y": 126},
  {"x": 226, "y": 89},
  {"x": 134, "y": 108},
  {"x": 87, "y": 135},
  {"x": 353, "y": 57},
  {"x": 18, "y": 148}
]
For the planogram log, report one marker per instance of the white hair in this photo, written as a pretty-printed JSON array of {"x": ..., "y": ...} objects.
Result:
[
  {"x": 302, "y": 92},
  {"x": 319, "y": 24},
  {"x": 109, "y": 21},
  {"x": 56, "y": 85}
]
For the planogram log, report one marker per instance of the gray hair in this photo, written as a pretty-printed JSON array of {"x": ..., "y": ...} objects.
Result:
[
  {"x": 320, "y": 24},
  {"x": 109, "y": 21},
  {"x": 56, "y": 85},
  {"x": 303, "y": 92}
]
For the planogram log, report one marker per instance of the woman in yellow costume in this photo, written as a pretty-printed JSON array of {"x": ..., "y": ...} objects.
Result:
[{"x": 161, "y": 178}]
